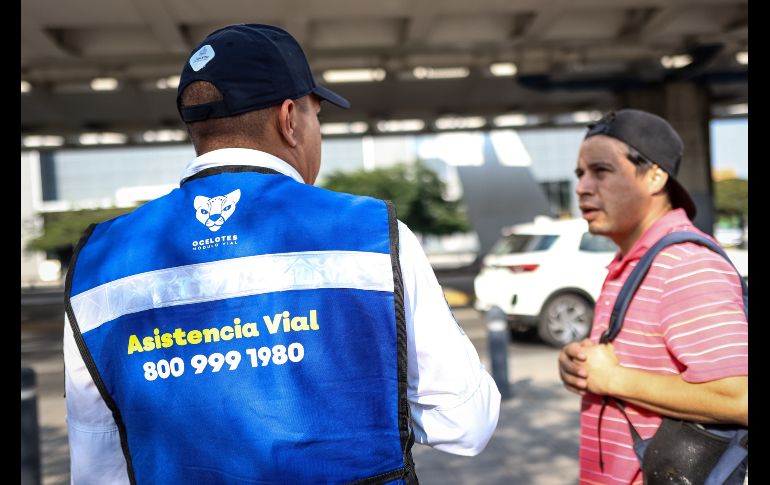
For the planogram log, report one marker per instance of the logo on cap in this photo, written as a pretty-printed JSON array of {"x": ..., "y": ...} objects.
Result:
[{"x": 202, "y": 57}]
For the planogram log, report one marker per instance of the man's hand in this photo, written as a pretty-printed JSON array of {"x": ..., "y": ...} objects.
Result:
[
  {"x": 601, "y": 364},
  {"x": 719, "y": 401},
  {"x": 571, "y": 366}
]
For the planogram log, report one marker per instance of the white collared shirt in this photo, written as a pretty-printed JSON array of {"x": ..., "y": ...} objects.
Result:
[
  {"x": 239, "y": 156},
  {"x": 454, "y": 402}
]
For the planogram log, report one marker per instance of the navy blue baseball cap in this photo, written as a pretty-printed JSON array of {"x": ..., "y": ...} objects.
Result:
[
  {"x": 254, "y": 66},
  {"x": 656, "y": 140}
]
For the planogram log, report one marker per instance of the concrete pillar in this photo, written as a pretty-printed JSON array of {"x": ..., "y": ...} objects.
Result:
[{"x": 686, "y": 107}]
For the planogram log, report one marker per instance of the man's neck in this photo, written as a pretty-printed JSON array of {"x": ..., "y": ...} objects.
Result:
[{"x": 656, "y": 212}]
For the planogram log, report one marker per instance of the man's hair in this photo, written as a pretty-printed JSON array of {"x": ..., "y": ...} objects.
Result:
[
  {"x": 643, "y": 164},
  {"x": 640, "y": 161},
  {"x": 240, "y": 130}
]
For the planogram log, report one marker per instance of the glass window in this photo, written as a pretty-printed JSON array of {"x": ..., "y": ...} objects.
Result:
[
  {"x": 523, "y": 243},
  {"x": 596, "y": 244}
]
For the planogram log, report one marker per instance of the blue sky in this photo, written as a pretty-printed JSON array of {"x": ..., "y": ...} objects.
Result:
[{"x": 730, "y": 145}]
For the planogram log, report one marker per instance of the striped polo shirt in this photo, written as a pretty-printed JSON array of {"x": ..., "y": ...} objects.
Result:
[{"x": 686, "y": 318}]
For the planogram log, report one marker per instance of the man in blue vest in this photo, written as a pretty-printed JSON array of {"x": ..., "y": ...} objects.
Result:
[{"x": 251, "y": 328}]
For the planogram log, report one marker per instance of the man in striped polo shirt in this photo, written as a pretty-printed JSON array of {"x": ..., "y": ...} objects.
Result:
[{"x": 683, "y": 348}]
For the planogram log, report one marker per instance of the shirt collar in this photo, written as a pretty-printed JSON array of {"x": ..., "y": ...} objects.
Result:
[
  {"x": 239, "y": 156},
  {"x": 674, "y": 220}
]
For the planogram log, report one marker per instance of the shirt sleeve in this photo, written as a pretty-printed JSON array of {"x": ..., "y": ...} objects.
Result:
[
  {"x": 96, "y": 456},
  {"x": 453, "y": 401},
  {"x": 703, "y": 321}
]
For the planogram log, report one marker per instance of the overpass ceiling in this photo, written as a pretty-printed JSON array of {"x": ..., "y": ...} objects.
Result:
[{"x": 570, "y": 55}]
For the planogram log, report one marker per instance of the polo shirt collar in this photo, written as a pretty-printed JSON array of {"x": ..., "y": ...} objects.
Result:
[
  {"x": 239, "y": 156},
  {"x": 673, "y": 220}
]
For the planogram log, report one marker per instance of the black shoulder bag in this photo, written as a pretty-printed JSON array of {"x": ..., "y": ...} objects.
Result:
[{"x": 682, "y": 452}]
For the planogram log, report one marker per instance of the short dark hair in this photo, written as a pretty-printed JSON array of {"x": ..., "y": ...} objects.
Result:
[
  {"x": 231, "y": 130},
  {"x": 644, "y": 164}
]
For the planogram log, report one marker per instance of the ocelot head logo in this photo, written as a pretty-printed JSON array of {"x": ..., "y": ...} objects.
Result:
[{"x": 212, "y": 212}]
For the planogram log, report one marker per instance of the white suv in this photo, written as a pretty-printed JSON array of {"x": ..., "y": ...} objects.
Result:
[{"x": 546, "y": 274}]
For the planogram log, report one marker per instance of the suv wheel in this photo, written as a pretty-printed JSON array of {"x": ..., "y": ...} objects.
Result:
[{"x": 565, "y": 318}]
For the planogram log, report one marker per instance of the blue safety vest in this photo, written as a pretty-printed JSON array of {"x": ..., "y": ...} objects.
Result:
[{"x": 247, "y": 328}]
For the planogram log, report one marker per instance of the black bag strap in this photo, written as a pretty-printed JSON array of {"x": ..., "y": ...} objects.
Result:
[{"x": 636, "y": 277}]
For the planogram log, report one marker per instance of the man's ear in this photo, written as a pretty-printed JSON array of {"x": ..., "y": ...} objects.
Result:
[
  {"x": 656, "y": 179},
  {"x": 287, "y": 122}
]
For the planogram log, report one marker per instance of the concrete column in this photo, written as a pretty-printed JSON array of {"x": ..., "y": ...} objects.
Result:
[{"x": 686, "y": 107}]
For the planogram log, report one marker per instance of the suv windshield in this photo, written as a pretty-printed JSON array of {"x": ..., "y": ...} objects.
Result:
[{"x": 523, "y": 243}]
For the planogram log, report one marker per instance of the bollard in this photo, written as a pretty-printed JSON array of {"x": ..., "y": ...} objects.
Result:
[
  {"x": 30, "y": 436},
  {"x": 498, "y": 337}
]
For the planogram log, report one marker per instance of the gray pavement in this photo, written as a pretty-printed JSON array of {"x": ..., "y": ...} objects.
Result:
[
  {"x": 536, "y": 441},
  {"x": 41, "y": 349}
]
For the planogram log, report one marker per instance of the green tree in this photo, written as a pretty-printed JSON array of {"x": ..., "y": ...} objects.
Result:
[
  {"x": 63, "y": 230},
  {"x": 416, "y": 192},
  {"x": 731, "y": 198}
]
